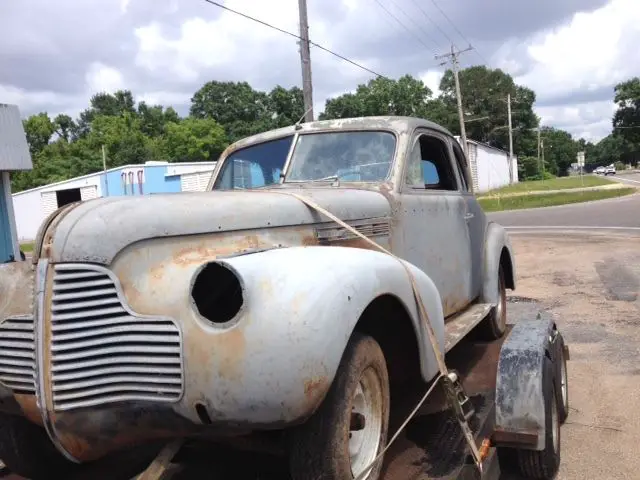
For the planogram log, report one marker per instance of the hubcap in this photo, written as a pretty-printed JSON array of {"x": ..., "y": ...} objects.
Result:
[
  {"x": 502, "y": 300},
  {"x": 554, "y": 425},
  {"x": 564, "y": 381},
  {"x": 366, "y": 422}
]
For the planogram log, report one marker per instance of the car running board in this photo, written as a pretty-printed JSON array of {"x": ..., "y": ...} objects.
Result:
[{"x": 459, "y": 326}]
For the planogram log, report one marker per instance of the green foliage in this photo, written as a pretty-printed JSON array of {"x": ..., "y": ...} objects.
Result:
[
  {"x": 194, "y": 139},
  {"x": 223, "y": 112},
  {"x": 494, "y": 204},
  {"x": 406, "y": 96},
  {"x": 627, "y": 117}
]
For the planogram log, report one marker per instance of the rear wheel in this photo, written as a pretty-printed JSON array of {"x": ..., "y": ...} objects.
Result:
[
  {"x": 349, "y": 429},
  {"x": 494, "y": 326},
  {"x": 544, "y": 464}
]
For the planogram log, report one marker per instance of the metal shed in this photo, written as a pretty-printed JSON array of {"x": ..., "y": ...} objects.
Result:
[{"x": 14, "y": 156}]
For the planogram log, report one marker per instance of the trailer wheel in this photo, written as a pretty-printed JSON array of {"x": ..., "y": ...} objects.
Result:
[
  {"x": 544, "y": 464},
  {"x": 350, "y": 428},
  {"x": 494, "y": 326},
  {"x": 27, "y": 451},
  {"x": 562, "y": 380}
]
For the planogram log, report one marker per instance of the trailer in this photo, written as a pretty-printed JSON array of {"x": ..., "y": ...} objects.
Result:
[{"x": 515, "y": 400}]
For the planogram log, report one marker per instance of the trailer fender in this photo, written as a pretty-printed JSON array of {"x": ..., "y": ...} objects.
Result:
[{"x": 520, "y": 412}]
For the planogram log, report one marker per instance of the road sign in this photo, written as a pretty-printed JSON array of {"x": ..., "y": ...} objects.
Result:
[{"x": 580, "y": 158}]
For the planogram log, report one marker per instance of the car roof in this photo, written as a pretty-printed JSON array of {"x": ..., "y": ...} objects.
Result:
[{"x": 397, "y": 124}]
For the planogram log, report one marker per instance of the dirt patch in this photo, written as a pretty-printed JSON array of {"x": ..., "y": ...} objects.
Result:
[{"x": 590, "y": 285}]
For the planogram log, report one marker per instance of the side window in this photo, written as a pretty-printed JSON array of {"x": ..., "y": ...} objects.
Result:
[
  {"x": 429, "y": 166},
  {"x": 461, "y": 164}
]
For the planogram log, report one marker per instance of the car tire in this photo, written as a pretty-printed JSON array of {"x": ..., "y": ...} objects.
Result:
[
  {"x": 544, "y": 464},
  {"x": 494, "y": 326},
  {"x": 562, "y": 380},
  {"x": 27, "y": 451},
  {"x": 329, "y": 446}
]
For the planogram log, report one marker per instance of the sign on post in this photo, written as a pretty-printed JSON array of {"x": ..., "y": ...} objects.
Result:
[{"x": 580, "y": 158}]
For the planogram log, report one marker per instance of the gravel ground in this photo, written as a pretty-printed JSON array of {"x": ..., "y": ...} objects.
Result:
[{"x": 591, "y": 285}]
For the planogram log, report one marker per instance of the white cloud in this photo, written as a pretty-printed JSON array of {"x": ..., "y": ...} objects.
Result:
[
  {"x": 431, "y": 79},
  {"x": 594, "y": 51},
  {"x": 103, "y": 78},
  {"x": 164, "y": 51}
]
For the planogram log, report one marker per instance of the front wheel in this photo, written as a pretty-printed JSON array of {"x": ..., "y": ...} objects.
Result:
[
  {"x": 27, "y": 451},
  {"x": 494, "y": 326},
  {"x": 349, "y": 429}
]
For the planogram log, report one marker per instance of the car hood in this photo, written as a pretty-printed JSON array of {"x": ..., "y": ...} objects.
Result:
[{"x": 96, "y": 230}]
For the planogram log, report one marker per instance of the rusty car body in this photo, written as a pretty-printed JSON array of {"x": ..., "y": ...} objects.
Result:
[{"x": 228, "y": 311}]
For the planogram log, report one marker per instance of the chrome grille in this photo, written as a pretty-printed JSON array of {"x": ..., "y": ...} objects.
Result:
[
  {"x": 101, "y": 352},
  {"x": 17, "y": 354}
]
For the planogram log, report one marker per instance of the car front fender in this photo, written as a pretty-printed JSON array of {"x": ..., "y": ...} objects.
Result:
[{"x": 301, "y": 305}]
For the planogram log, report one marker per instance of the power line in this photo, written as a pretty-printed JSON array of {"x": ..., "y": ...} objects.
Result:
[
  {"x": 402, "y": 25},
  {"x": 458, "y": 30},
  {"x": 341, "y": 57},
  {"x": 424, "y": 32},
  {"x": 432, "y": 21}
]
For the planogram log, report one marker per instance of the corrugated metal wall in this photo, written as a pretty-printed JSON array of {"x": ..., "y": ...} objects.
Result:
[{"x": 14, "y": 149}]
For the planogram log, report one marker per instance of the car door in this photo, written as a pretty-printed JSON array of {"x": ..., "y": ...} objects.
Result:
[
  {"x": 433, "y": 230},
  {"x": 475, "y": 219}
]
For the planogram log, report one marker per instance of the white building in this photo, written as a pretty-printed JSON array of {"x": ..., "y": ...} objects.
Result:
[
  {"x": 33, "y": 206},
  {"x": 489, "y": 166}
]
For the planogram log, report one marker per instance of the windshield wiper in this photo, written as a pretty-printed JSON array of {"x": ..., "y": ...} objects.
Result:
[{"x": 335, "y": 178}]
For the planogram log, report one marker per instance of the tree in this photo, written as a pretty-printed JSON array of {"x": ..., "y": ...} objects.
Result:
[
  {"x": 560, "y": 150},
  {"x": 236, "y": 106},
  {"x": 194, "y": 140},
  {"x": 153, "y": 119},
  {"x": 122, "y": 137},
  {"x": 39, "y": 129},
  {"x": 286, "y": 106},
  {"x": 484, "y": 102},
  {"x": 626, "y": 120},
  {"x": 407, "y": 96}
]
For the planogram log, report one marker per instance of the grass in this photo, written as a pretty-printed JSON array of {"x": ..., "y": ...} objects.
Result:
[
  {"x": 558, "y": 183},
  {"x": 26, "y": 247},
  {"x": 535, "y": 201}
]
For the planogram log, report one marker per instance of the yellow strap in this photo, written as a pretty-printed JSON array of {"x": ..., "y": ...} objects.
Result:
[{"x": 422, "y": 311}]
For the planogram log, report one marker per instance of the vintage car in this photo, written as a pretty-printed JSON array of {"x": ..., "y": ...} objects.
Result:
[{"x": 245, "y": 309}]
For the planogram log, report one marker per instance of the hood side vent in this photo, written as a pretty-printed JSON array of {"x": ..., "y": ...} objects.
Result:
[{"x": 372, "y": 227}]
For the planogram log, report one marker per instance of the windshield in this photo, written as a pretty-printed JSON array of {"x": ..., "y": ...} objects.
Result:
[
  {"x": 348, "y": 156},
  {"x": 254, "y": 167}
]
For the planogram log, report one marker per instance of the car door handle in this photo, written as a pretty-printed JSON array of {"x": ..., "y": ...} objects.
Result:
[{"x": 468, "y": 216}]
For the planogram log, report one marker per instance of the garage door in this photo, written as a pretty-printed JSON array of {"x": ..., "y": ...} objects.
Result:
[
  {"x": 195, "y": 182},
  {"x": 89, "y": 192},
  {"x": 49, "y": 203}
]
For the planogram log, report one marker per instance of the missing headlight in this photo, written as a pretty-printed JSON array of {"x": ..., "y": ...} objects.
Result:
[{"x": 217, "y": 293}]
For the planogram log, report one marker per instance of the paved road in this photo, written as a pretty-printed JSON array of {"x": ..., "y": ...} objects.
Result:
[{"x": 615, "y": 212}]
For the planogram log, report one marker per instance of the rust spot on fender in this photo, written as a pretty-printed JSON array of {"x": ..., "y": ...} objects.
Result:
[
  {"x": 29, "y": 407},
  {"x": 313, "y": 386}
]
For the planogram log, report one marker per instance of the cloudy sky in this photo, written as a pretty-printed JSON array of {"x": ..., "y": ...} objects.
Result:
[{"x": 55, "y": 55}]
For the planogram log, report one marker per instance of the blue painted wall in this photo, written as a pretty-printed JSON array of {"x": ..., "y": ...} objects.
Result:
[
  {"x": 6, "y": 244},
  {"x": 155, "y": 181}
]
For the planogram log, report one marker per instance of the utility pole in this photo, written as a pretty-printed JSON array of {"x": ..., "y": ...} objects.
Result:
[
  {"x": 542, "y": 163},
  {"x": 305, "y": 59},
  {"x": 453, "y": 56},
  {"x": 510, "y": 139},
  {"x": 104, "y": 168}
]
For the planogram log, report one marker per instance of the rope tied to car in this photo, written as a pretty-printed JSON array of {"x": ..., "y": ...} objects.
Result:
[{"x": 424, "y": 318}]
